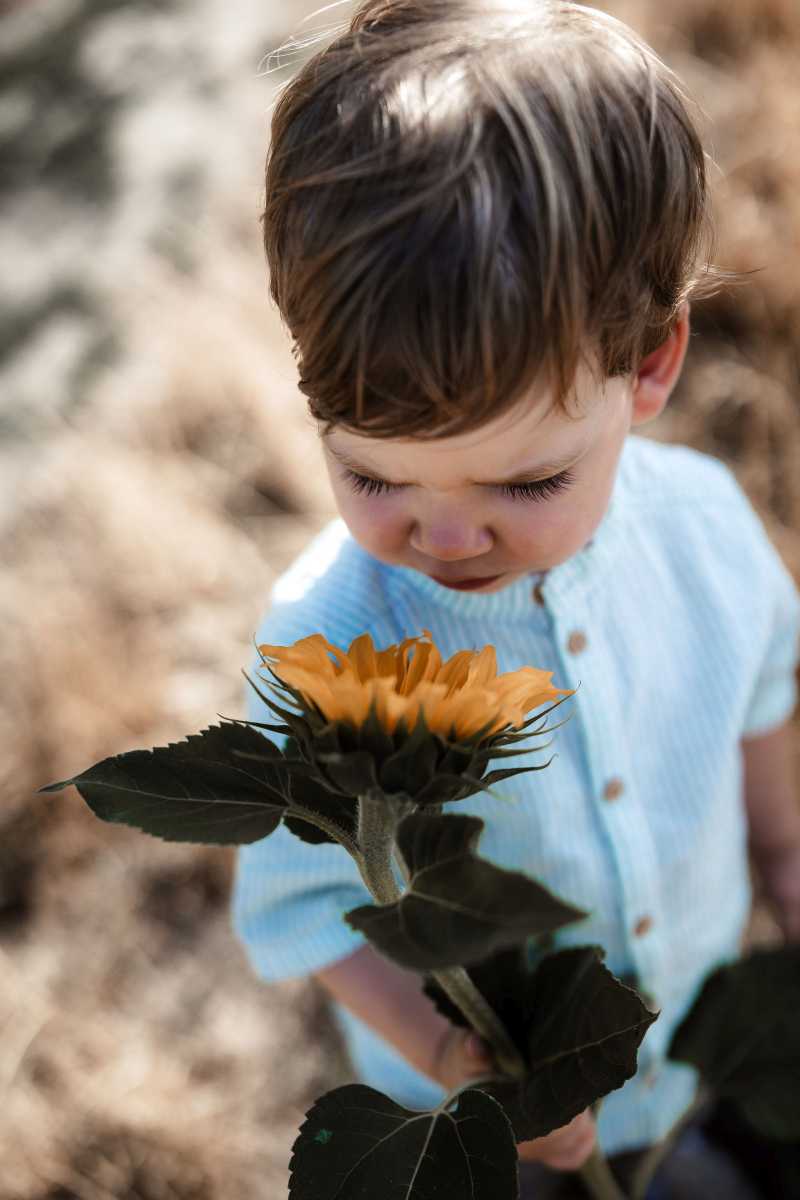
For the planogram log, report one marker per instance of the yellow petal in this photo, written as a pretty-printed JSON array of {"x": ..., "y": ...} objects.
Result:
[
  {"x": 454, "y": 672},
  {"x": 386, "y": 663},
  {"x": 424, "y": 667},
  {"x": 310, "y": 653},
  {"x": 362, "y": 656},
  {"x": 483, "y": 669}
]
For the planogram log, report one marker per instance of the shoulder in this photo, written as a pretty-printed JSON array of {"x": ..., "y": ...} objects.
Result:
[
  {"x": 333, "y": 587},
  {"x": 688, "y": 509},
  {"x": 680, "y": 494},
  {"x": 658, "y": 475}
]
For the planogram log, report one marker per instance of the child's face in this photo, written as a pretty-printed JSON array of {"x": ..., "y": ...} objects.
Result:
[{"x": 440, "y": 507}]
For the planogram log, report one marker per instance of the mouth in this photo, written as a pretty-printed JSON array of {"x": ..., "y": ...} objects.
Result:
[{"x": 466, "y": 585}]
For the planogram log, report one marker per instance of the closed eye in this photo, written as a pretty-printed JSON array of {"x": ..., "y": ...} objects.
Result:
[{"x": 537, "y": 489}]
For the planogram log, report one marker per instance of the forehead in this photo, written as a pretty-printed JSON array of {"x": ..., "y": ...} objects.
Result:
[{"x": 534, "y": 438}]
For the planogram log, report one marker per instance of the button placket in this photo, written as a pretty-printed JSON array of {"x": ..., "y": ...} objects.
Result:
[
  {"x": 629, "y": 844},
  {"x": 630, "y": 838}
]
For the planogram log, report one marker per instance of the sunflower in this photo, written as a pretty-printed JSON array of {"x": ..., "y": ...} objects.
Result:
[
  {"x": 400, "y": 720},
  {"x": 460, "y": 698}
]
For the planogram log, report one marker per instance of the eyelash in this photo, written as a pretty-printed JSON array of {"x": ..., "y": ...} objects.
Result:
[{"x": 539, "y": 489}]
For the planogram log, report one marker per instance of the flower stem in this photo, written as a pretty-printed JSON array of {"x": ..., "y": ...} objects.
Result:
[
  {"x": 330, "y": 827},
  {"x": 656, "y": 1155},
  {"x": 598, "y": 1179},
  {"x": 484, "y": 1020},
  {"x": 376, "y": 827}
]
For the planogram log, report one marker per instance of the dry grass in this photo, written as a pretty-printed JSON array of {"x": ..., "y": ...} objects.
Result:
[{"x": 151, "y": 493}]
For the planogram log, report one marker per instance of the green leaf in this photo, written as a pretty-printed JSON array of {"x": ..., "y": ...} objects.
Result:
[
  {"x": 458, "y": 907},
  {"x": 357, "y": 1144},
  {"x": 203, "y": 789},
  {"x": 577, "y": 1027},
  {"x": 743, "y": 1036}
]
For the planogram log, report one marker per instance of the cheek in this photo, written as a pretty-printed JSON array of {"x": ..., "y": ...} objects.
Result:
[
  {"x": 375, "y": 522},
  {"x": 553, "y": 528},
  {"x": 534, "y": 525}
]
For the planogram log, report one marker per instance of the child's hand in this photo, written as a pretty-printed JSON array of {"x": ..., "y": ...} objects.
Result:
[
  {"x": 780, "y": 875},
  {"x": 463, "y": 1055}
]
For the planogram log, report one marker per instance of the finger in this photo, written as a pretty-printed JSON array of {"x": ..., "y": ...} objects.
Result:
[
  {"x": 791, "y": 925},
  {"x": 570, "y": 1159},
  {"x": 477, "y": 1050},
  {"x": 567, "y": 1135},
  {"x": 574, "y": 1158},
  {"x": 570, "y": 1141}
]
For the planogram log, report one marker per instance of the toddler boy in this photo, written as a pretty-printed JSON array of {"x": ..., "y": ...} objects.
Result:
[{"x": 485, "y": 221}]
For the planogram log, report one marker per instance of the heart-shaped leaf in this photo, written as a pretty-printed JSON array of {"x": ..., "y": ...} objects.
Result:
[
  {"x": 222, "y": 786},
  {"x": 357, "y": 1144},
  {"x": 743, "y": 1036},
  {"x": 458, "y": 908},
  {"x": 577, "y": 1027}
]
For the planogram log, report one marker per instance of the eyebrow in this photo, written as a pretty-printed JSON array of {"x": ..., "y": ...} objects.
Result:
[{"x": 537, "y": 472}]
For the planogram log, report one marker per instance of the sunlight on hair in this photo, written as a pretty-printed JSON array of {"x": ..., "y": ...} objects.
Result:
[{"x": 294, "y": 49}]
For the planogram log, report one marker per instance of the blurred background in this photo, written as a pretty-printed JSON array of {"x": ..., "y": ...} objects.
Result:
[{"x": 158, "y": 471}]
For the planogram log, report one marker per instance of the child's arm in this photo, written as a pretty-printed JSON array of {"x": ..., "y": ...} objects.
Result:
[
  {"x": 391, "y": 1001},
  {"x": 772, "y": 801}
]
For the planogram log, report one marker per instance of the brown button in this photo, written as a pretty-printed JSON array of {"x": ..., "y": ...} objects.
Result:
[
  {"x": 538, "y": 594},
  {"x": 643, "y": 926},
  {"x": 613, "y": 789},
  {"x": 650, "y": 1078},
  {"x": 577, "y": 642}
]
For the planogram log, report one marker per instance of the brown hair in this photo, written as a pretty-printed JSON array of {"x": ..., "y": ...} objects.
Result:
[{"x": 464, "y": 196}]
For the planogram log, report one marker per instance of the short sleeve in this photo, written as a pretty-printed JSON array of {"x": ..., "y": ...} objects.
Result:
[
  {"x": 289, "y": 897},
  {"x": 774, "y": 696}
]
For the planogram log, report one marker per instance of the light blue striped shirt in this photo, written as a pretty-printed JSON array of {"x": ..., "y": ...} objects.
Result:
[{"x": 690, "y": 624}]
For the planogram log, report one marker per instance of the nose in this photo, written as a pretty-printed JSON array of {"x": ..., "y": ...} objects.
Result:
[{"x": 450, "y": 540}]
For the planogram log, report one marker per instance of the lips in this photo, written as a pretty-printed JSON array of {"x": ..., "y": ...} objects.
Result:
[{"x": 466, "y": 584}]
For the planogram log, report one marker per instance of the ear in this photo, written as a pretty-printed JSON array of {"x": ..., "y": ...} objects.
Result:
[{"x": 658, "y": 373}]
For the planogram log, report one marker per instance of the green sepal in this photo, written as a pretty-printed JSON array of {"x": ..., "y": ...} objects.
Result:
[
  {"x": 281, "y": 729},
  {"x": 373, "y": 737},
  {"x": 414, "y": 764},
  {"x": 352, "y": 773}
]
